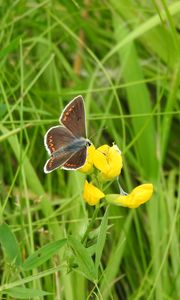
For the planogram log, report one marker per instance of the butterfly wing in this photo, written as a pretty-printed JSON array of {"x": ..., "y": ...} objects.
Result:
[
  {"x": 76, "y": 161},
  {"x": 57, "y": 137},
  {"x": 73, "y": 117},
  {"x": 56, "y": 161}
]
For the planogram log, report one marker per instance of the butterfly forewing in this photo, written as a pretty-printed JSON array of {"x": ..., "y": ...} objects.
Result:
[
  {"x": 73, "y": 117},
  {"x": 57, "y": 137},
  {"x": 76, "y": 161}
]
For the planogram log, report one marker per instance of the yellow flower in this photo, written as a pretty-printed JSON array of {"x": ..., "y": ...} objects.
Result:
[
  {"x": 109, "y": 161},
  {"x": 138, "y": 196},
  {"x": 92, "y": 194},
  {"x": 88, "y": 166}
]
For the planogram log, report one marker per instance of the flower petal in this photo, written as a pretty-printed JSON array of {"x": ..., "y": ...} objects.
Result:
[
  {"x": 92, "y": 194},
  {"x": 115, "y": 162},
  {"x": 100, "y": 161},
  {"x": 142, "y": 193},
  {"x": 138, "y": 196},
  {"x": 88, "y": 166},
  {"x": 109, "y": 161}
]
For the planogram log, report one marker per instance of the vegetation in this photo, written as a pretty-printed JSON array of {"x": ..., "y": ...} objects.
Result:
[{"x": 124, "y": 58}]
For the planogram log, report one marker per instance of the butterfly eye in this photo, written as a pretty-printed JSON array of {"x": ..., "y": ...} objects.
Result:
[{"x": 88, "y": 143}]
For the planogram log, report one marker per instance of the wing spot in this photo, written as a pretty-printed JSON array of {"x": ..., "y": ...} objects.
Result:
[
  {"x": 69, "y": 165},
  {"x": 51, "y": 145},
  {"x": 71, "y": 108},
  {"x": 50, "y": 162},
  {"x": 67, "y": 113}
]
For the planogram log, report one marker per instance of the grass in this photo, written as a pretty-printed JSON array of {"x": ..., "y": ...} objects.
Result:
[{"x": 124, "y": 58}]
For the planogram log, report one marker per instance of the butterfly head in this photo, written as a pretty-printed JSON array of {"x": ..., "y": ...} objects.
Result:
[{"x": 88, "y": 143}]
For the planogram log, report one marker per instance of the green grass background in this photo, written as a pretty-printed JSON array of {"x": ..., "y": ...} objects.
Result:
[{"x": 124, "y": 58}]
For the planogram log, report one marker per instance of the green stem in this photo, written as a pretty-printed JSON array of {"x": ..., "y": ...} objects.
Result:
[{"x": 91, "y": 223}]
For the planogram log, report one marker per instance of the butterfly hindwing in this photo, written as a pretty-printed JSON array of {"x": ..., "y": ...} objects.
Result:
[
  {"x": 73, "y": 117},
  {"x": 56, "y": 161},
  {"x": 76, "y": 161}
]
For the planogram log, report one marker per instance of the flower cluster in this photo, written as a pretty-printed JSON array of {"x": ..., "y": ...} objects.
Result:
[
  {"x": 107, "y": 160},
  {"x": 108, "y": 163}
]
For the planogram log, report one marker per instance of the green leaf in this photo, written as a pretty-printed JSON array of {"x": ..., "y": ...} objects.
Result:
[
  {"x": 3, "y": 109},
  {"x": 25, "y": 293},
  {"x": 9, "y": 48},
  {"x": 10, "y": 245},
  {"x": 84, "y": 260},
  {"x": 42, "y": 255},
  {"x": 101, "y": 239},
  {"x": 139, "y": 101}
]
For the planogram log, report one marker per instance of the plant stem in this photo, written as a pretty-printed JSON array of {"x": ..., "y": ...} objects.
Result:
[{"x": 91, "y": 223}]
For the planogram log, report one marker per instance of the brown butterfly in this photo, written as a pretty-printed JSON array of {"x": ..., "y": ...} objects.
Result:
[{"x": 67, "y": 143}]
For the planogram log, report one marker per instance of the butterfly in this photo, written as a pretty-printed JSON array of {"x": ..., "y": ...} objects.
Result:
[{"x": 67, "y": 143}]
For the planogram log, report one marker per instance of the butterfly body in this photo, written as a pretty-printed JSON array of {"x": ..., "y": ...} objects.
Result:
[
  {"x": 76, "y": 145},
  {"x": 67, "y": 143}
]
